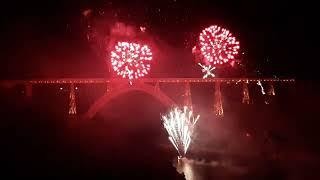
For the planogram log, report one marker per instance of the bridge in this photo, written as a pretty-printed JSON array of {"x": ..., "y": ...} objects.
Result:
[{"x": 151, "y": 86}]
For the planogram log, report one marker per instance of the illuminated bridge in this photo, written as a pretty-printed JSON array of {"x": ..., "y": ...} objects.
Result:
[{"x": 151, "y": 86}]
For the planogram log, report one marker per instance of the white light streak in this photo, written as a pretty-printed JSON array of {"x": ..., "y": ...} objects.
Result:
[
  {"x": 207, "y": 70},
  {"x": 262, "y": 89}
]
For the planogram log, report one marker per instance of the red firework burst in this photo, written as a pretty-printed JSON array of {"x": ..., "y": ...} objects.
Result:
[
  {"x": 217, "y": 45},
  {"x": 131, "y": 60}
]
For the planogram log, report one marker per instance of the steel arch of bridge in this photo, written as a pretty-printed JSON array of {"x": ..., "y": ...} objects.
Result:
[{"x": 119, "y": 90}]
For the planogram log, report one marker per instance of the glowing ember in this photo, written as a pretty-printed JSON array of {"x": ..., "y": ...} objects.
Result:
[
  {"x": 180, "y": 125},
  {"x": 217, "y": 45},
  {"x": 131, "y": 60},
  {"x": 207, "y": 70}
]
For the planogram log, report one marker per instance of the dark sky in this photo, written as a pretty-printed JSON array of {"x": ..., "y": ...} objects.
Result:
[{"x": 47, "y": 38}]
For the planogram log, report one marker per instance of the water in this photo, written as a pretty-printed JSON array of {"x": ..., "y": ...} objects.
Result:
[
  {"x": 125, "y": 141},
  {"x": 202, "y": 170}
]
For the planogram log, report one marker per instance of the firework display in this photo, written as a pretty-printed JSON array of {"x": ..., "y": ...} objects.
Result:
[
  {"x": 180, "y": 126},
  {"x": 207, "y": 70},
  {"x": 217, "y": 45},
  {"x": 131, "y": 60}
]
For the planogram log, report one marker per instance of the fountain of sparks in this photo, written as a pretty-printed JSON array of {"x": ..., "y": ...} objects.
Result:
[{"x": 180, "y": 126}]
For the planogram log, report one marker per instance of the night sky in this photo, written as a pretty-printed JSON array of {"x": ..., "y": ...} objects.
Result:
[{"x": 48, "y": 38}]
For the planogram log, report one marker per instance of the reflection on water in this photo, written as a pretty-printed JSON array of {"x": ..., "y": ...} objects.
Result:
[
  {"x": 201, "y": 170},
  {"x": 227, "y": 169},
  {"x": 187, "y": 169},
  {"x": 188, "y": 172}
]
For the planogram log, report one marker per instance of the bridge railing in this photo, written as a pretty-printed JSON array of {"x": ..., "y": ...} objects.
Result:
[{"x": 149, "y": 80}]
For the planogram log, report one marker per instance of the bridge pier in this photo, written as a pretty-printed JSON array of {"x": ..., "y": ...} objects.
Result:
[
  {"x": 271, "y": 90},
  {"x": 72, "y": 104},
  {"x": 218, "y": 108},
  {"x": 157, "y": 87},
  {"x": 187, "y": 98},
  {"x": 108, "y": 87},
  {"x": 245, "y": 93},
  {"x": 28, "y": 90}
]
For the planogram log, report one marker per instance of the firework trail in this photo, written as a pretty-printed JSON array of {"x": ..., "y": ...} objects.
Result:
[
  {"x": 262, "y": 89},
  {"x": 180, "y": 125}
]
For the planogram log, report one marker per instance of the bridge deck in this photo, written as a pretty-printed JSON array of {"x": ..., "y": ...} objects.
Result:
[{"x": 149, "y": 80}]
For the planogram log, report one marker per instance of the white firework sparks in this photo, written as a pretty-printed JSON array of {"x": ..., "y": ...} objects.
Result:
[
  {"x": 207, "y": 70},
  {"x": 262, "y": 89},
  {"x": 180, "y": 125}
]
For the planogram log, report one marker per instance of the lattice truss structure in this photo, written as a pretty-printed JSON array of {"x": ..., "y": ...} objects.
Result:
[{"x": 114, "y": 87}]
